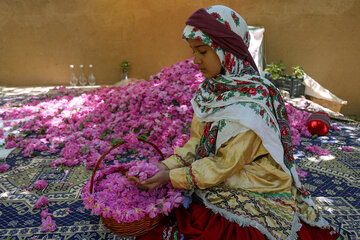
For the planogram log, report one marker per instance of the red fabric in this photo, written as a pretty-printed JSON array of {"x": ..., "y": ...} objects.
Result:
[
  {"x": 317, "y": 127},
  {"x": 200, "y": 223},
  {"x": 309, "y": 232},
  {"x": 318, "y": 123}
]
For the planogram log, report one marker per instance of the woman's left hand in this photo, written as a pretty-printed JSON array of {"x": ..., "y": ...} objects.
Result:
[{"x": 162, "y": 177}]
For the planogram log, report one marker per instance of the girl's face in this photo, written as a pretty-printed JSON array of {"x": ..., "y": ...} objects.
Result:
[{"x": 206, "y": 58}]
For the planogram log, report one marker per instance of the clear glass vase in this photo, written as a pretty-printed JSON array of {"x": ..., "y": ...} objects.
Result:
[
  {"x": 124, "y": 76},
  {"x": 82, "y": 77},
  {"x": 73, "y": 79},
  {"x": 91, "y": 77}
]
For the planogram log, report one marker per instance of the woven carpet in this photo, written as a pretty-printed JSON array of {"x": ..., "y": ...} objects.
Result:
[{"x": 333, "y": 181}]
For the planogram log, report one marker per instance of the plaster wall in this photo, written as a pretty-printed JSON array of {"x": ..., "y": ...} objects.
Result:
[{"x": 41, "y": 38}]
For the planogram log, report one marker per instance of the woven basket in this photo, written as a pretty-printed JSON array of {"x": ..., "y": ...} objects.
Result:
[{"x": 136, "y": 228}]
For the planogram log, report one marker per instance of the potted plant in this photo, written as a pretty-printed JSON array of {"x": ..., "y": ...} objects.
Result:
[
  {"x": 292, "y": 83},
  {"x": 125, "y": 66},
  {"x": 298, "y": 72},
  {"x": 275, "y": 73},
  {"x": 297, "y": 82}
]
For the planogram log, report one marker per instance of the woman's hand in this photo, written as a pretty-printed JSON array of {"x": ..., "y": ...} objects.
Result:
[
  {"x": 160, "y": 178},
  {"x": 134, "y": 179},
  {"x": 161, "y": 166}
]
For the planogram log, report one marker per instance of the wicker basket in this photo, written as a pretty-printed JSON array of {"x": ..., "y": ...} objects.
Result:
[{"x": 136, "y": 228}]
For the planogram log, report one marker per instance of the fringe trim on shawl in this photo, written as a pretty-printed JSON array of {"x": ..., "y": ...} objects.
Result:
[
  {"x": 245, "y": 222},
  {"x": 322, "y": 223}
]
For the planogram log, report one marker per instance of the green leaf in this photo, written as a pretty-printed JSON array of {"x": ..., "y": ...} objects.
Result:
[
  {"x": 103, "y": 135},
  {"x": 132, "y": 150},
  {"x": 81, "y": 127},
  {"x": 88, "y": 120},
  {"x": 41, "y": 131},
  {"x": 15, "y": 127},
  {"x": 298, "y": 72},
  {"x": 125, "y": 66},
  {"x": 108, "y": 130},
  {"x": 143, "y": 137},
  {"x": 142, "y": 188},
  {"x": 276, "y": 70},
  {"x": 84, "y": 150},
  {"x": 115, "y": 141},
  {"x": 136, "y": 130},
  {"x": 11, "y": 136},
  {"x": 26, "y": 132},
  {"x": 61, "y": 145},
  {"x": 176, "y": 103},
  {"x": 186, "y": 128}
]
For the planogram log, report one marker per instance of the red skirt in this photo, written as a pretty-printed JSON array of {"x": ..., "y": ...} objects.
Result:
[{"x": 200, "y": 223}]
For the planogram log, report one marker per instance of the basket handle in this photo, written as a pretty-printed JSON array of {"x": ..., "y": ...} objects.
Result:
[{"x": 113, "y": 147}]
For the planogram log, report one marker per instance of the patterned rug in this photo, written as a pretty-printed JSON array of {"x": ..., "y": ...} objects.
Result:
[
  {"x": 20, "y": 220},
  {"x": 334, "y": 182}
]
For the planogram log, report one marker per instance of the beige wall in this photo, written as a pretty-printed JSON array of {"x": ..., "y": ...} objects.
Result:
[{"x": 40, "y": 38}]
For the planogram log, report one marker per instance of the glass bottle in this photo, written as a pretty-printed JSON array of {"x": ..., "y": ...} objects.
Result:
[
  {"x": 82, "y": 77},
  {"x": 73, "y": 78},
  {"x": 124, "y": 75},
  {"x": 91, "y": 77}
]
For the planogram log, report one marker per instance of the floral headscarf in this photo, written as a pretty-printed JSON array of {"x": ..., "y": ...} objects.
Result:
[{"x": 240, "y": 99}]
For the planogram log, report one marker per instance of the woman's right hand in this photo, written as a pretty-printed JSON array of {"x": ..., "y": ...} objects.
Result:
[{"x": 161, "y": 166}]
